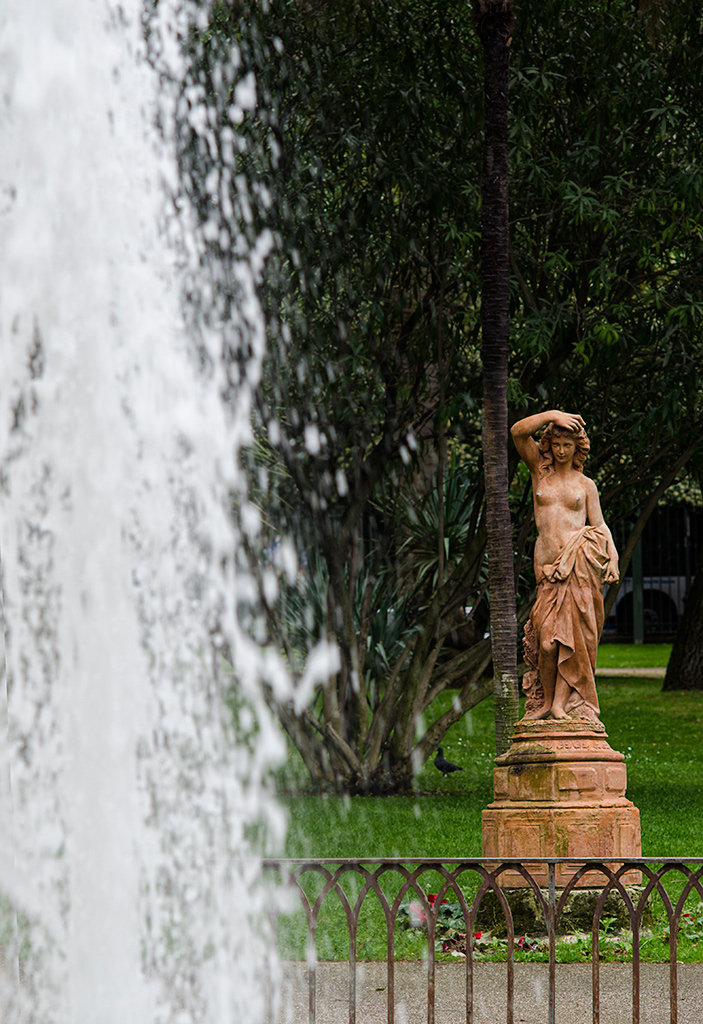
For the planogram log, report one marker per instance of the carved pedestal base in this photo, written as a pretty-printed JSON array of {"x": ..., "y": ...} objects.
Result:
[{"x": 560, "y": 792}]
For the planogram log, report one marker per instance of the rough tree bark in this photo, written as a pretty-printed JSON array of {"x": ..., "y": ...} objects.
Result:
[
  {"x": 494, "y": 25},
  {"x": 685, "y": 668}
]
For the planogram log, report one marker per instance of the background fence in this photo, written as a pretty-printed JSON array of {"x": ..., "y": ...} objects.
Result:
[{"x": 651, "y": 598}]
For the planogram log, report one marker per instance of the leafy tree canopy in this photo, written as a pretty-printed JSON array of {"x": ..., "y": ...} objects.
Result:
[{"x": 363, "y": 151}]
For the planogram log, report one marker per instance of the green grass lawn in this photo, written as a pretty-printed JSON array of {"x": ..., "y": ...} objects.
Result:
[
  {"x": 633, "y": 655},
  {"x": 660, "y": 735}
]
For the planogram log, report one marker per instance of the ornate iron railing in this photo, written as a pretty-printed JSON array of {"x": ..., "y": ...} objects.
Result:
[{"x": 372, "y": 876}]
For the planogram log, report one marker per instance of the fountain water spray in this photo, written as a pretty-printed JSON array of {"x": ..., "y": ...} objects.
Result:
[{"x": 136, "y": 764}]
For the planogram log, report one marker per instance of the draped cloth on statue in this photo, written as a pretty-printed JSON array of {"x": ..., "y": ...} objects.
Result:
[{"x": 569, "y": 610}]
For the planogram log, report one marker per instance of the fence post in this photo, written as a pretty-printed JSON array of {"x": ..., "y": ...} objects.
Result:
[{"x": 638, "y": 593}]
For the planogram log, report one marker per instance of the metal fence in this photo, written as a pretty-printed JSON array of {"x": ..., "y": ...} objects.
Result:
[
  {"x": 395, "y": 882},
  {"x": 652, "y": 595}
]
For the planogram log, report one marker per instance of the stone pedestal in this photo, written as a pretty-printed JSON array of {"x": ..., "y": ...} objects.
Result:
[{"x": 560, "y": 792}]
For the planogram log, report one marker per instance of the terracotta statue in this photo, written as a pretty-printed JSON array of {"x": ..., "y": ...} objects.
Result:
[{"x": 574, "y": 557}]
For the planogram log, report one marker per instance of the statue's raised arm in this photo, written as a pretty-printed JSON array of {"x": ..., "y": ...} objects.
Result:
[
  {"x": 574, "y": 557},
  {"x": 523, "y": 430}
]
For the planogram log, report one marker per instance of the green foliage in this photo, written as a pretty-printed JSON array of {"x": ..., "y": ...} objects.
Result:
[
  {"x": 692, "y": 924},
  {"x": 380, "y": 614},
  {"x": 370, "y": 294},
  {"x": 418, "y": 520},
  {"x": 607, "y": 229},
  {"x": 378, "y": 230},
  {"x": 371, "y": 100},
  {"x": 363, "y": 155}
]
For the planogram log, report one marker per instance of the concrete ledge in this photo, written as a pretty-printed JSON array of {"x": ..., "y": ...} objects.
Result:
[{"x": 574, "y": 1003}]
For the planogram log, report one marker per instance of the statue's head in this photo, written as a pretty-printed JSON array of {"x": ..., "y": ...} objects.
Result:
[{"x": 582, "y": 447}]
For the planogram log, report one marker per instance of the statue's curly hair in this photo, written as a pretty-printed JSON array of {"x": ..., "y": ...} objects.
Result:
[{"x": 546, "y": 459}]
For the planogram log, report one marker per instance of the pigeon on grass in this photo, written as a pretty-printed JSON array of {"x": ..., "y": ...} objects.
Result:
[{"x": 444, "y": 766}]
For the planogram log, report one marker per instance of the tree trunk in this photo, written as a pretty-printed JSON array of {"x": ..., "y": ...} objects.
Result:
[
  {"x": 494, "y": 24},
  {"x": 685, "y": 668}
]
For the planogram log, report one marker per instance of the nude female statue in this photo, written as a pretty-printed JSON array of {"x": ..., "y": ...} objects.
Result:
[{"x": 574, "y": 557}]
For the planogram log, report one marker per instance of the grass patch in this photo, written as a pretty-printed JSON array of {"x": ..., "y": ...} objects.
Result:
[
  {"x": 660, "y": 737},
  {"x": 658, "y": 733},
  {"x": 633, "y": 655}
]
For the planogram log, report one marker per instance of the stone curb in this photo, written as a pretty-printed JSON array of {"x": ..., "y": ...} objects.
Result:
[
  {"x": 631, "y": 673},
  {"x": 573, "y": 993}
]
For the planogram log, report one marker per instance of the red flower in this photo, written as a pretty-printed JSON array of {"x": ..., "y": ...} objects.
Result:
[{"x": 432, "y": 898}]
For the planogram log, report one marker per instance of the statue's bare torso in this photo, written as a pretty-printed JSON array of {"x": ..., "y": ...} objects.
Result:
[{"x": 560, "y": 511}]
